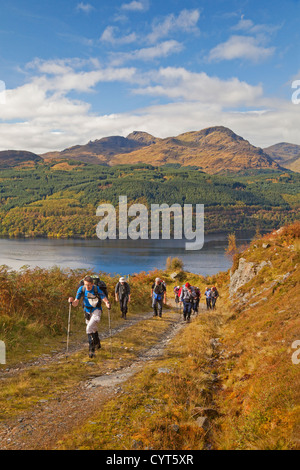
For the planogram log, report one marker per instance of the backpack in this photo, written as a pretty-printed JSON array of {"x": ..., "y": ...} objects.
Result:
[
  {"x": 97, "y": 282},
  {"x": 214, "y": 293},
  {"x": 187, "y": 296},
  {"x": 123, "y": 290},
  {"x": 197, "y": 292},
  {"x": 95, "y": 295},
  {"x": 158, "y": 292}
]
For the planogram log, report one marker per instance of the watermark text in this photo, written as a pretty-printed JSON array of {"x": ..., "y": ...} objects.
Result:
[
  {"x": 2, "y": 353},
  {"x": 296, "y": 354},
  {"x": 296, "y": 94},
  {"x": 136, "y": 222}
]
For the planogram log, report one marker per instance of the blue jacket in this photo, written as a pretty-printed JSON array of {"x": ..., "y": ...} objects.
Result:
[{"x": 82, "y": 291}]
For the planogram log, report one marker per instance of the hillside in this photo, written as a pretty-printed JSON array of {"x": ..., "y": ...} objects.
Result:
[
  {"x": 259, "y": 364},
  {"x": 229, "y": 380},
  {"x": 14, "y": 158},
  {"x": 59, "y": 199},
  {"x": 285, "y": 154},
  {"x": 214, "y": 150},
  {"x": 102, "y": 150}
]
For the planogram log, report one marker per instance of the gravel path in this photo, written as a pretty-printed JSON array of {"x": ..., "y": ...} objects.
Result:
[{"x": 42, "y": 427}]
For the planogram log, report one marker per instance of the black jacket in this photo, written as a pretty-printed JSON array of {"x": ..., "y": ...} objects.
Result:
[{"x": 122, "y": 290}]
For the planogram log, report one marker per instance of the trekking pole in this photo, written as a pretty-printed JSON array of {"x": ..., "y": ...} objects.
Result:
[
  {"x": 110, "y": 332},
  {"x": 69, "y": 324}
]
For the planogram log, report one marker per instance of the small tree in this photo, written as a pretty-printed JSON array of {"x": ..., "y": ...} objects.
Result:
[
  {"x": 174, "y": 264},
  {"x": 231, "y": 249}
]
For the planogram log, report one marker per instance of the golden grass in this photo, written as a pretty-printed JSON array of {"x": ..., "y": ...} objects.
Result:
[
  {"x": 260, "y": 399},
  {"x": 158, "y": 408},
  {"x": 26, "y": 388},
  {"x": 249, "y": 379}
]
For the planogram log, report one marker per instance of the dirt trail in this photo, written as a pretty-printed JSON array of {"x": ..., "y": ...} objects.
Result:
[
  {"x": 42, "y": 427},
  {"x": 78, "y": 346}
]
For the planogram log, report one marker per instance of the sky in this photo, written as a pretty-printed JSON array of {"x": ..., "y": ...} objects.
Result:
[{"x": 72, "y": 71}]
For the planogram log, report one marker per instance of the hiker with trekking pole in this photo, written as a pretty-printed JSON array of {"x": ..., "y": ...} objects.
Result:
[
  {"x": 158, "y": 296},
  {"x": 92, "y": 297},
  {"x": 122, "y": 295}
]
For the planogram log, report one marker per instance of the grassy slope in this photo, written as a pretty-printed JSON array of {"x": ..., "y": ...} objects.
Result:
[
  {"x": 247, "y": 380},
  {"x": 34, "y": 309},
  {"x": 260, "y": 396},
  {"x": 247, "y": 385}
]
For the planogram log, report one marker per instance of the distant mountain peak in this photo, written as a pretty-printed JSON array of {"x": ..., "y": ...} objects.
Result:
[
  {"x": 215, "y": 149},
  {"x": 143, "y": 137},
  {"x": 12, "y": 158},
  {"x": 286, "y": 155}
]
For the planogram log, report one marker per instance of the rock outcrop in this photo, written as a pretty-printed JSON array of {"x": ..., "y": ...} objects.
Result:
[{"x": 246, "y": 271}]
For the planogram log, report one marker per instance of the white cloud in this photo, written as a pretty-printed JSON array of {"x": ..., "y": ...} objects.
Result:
[
  {"x": 53, "y": 67},
  {"x": 186, "y": 21},
  {"x": 163, "y": 49},
  {"x": 136, "y": 6},
  {"x": 249, "y": 46},
  {"x": 85, "y": 7},
  {"x": 251, "y": 28},
  {"x": 109, "y": 35},
  {"x": 41, "y": 116},
  {"x": 179, "y": 83},
  {"x": 241, "y": 47},
  {"x": 45, "y": 96}
]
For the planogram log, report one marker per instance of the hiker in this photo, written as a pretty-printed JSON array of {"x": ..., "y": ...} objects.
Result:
[
  {"x": 122, "y": 294},
  {"x": 214, "y": 296},
  {"x": 158, "y": 295},
  {"x": 176, "y": 292},
  {"x": 207, "y": 294},
  {"x": 187, "y": 296},
  {"x": 92, "y": 296},
  {"x": 196, "y": 299}
]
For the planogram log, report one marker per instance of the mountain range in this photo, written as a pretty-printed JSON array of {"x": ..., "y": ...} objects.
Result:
[
  {"x": 287, "y": 155},
  {"x": 213, "y": 150}
]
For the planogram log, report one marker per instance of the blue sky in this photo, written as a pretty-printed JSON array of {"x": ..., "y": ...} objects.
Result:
[{"x": 78, "y": 71}]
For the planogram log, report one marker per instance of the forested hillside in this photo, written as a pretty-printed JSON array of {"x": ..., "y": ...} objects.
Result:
[{"x": 59, "y": 199}]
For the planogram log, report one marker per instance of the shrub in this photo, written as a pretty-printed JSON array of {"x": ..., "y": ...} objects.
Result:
[{"x": 175, "y": 264}]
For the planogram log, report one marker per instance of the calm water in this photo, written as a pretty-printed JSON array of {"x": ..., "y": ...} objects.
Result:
[{"x": 117, "y": 256}]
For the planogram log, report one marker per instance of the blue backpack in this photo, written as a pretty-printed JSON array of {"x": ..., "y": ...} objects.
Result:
[{"x": 158, "y": 295}]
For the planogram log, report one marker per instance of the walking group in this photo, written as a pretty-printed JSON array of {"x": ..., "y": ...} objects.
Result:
[
  {"x": 92, "y": 291},
  {"x": 211, "y": 295},
  {"x": 190, "y": 297}
]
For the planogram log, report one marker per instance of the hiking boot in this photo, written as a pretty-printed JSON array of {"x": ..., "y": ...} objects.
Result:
[
  {"x": 96, "y": 340},
  {"x": 91, "y": 345}
]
